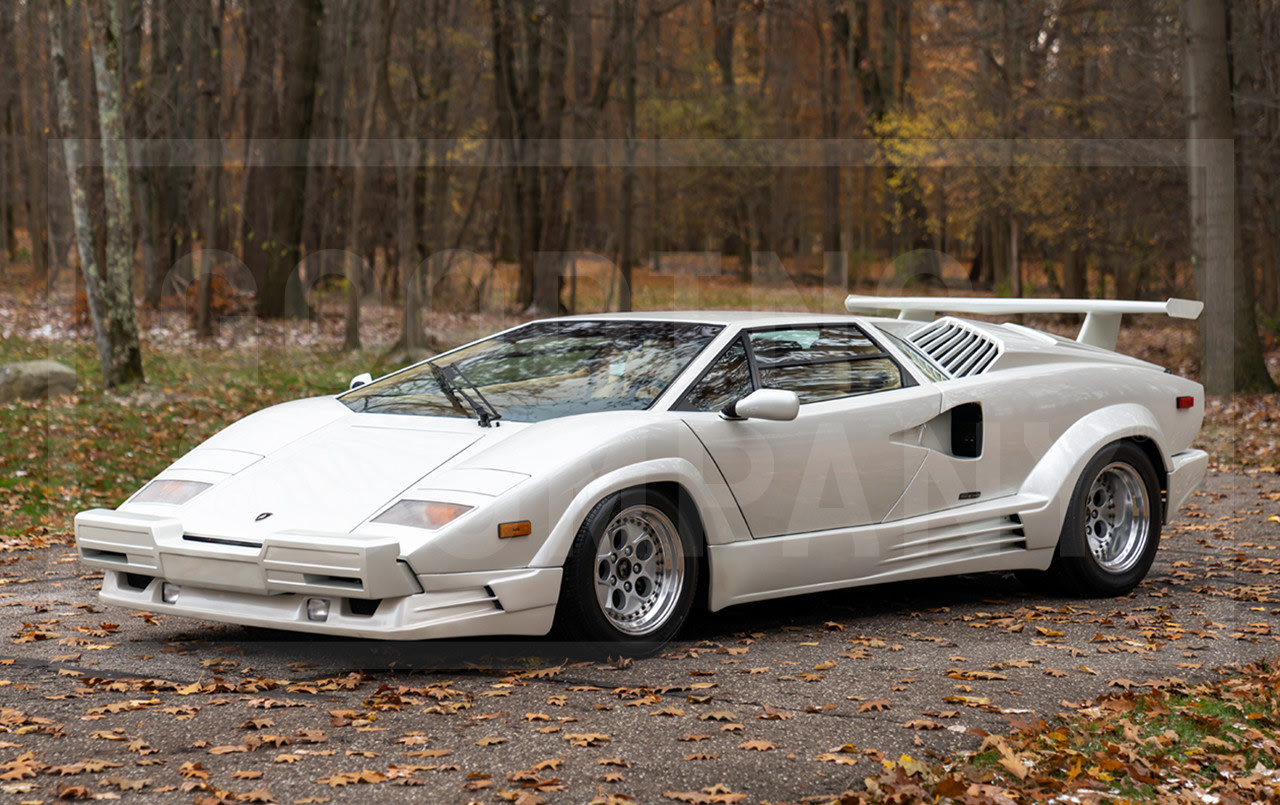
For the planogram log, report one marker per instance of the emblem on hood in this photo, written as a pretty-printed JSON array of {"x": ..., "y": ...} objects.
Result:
[{"x": 262, "y": 517}]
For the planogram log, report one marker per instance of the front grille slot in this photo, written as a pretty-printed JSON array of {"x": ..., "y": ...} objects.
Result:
[
  {"x": 238, "y": 543},
  {"x": 105, "y": 556},
  {"x": 342, "y": 582}
]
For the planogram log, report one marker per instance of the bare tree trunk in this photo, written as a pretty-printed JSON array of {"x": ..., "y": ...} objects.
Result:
[
  {"x": 832, "y": 53},
  {"x": 625, "y": 245},
  {"x": 109, "y": 291},
  {"x": 1232, "y": 355},
  {"x": 1015, "y": 257},
  {"x": 10, "y": 125},
  {"x": 174, "y": 181},
  {"x": 209, "y": 63},
  {"x": 126, "y": 353},
  {"x": 154, "y": 184},
  {"x": 136, "y": 94},
  {"x": 551, "y": 241},
  {"x": 273, "y": 204},
  {"x": 439, "y": 91},
  {"x": 260, "y": 122},
  {"x": 1269, "y": 296},
  {"x": 1074, "y": 284},
  {"x": 36, "y": 117},
  {"x": 377, "y": 32}
]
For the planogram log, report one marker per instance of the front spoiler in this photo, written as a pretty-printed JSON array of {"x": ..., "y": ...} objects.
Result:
[
  {"x": 336, "y": 564},
  {"x": 369, "y": 590}
]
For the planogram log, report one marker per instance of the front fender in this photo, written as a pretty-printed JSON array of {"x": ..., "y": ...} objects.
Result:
[
  {"x": 1055, "y": 476},
  {"x": 721, "y": 520}
]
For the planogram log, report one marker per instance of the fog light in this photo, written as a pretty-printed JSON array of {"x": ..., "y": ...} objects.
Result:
[
  {"x": 169, "y": 592},
  {"x": 317, "y": 609}
]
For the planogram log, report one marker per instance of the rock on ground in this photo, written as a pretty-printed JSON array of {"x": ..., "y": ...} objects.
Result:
[{"x": 28, "y": 380}]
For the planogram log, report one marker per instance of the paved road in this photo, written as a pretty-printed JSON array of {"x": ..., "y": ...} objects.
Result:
[{"x": 779, "y": 701}]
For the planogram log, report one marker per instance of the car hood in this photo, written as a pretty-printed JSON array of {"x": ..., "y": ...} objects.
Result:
[{"x": 314, "y": 466}]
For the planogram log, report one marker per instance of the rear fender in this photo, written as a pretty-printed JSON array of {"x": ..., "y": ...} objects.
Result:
[{"x": 1055, "y": 476}]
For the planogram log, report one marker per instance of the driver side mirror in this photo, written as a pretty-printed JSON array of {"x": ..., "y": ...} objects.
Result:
[
  {"x": 771, "y": 404},
  {"x": 360, "y": 380}
]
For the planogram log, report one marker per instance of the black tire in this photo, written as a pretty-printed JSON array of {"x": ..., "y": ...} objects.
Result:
[
  {"x": 632, "y": 573},
  {"x": 1112, "y": 529}
]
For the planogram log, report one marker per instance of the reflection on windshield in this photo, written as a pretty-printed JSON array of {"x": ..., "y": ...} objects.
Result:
[{"x": 548, "y": 369}]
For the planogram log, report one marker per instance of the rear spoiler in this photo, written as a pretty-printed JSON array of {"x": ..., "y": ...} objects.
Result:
[{"x": 1101, "y": 316}]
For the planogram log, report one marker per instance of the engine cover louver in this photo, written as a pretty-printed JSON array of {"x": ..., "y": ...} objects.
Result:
[{"x": 958, "y": 348}]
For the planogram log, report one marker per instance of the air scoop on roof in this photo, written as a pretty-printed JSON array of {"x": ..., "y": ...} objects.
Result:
[{"x": 955, "y": 346}]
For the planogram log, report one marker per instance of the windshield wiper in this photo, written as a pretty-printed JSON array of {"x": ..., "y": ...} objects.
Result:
[{"x": 449, "y": 377}]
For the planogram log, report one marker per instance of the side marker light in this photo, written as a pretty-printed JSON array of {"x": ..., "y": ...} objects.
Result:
[{"x": 522, "y": 528}]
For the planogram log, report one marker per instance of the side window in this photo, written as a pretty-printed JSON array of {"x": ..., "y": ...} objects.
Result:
[
  {"x": 823, "y": 362},
  {"x": 726, "y": 380}
]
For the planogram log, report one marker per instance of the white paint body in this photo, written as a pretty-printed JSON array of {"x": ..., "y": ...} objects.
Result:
[{"x": 856, "y": 490}]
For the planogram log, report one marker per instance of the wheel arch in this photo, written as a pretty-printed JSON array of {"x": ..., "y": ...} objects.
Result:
[
  {"x": 676, "y": 477},
  {"x": 1157, "y": 459},
  {"x": 1055, "y": 476}
]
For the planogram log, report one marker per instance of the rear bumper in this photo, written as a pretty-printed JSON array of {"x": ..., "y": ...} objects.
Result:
[
  {"x": 369, "y": 591},
  {"x": 1189, "y": 468}
]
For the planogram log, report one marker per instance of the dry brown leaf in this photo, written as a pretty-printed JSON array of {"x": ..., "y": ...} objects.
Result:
[
  {"x": 586, "y": 738},
  {"x": 922, "y": 724}
]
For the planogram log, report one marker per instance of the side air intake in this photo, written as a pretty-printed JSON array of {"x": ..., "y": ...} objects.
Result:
[{"x": 958, "y": 348}]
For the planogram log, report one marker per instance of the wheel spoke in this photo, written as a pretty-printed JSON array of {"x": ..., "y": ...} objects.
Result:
[
  {"x": 639, "y": 567},
  {"x": 1117, "y": 518}
]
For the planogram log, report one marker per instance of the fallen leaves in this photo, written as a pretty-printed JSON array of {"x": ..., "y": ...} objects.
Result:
[
  {"x": 757, "y": 746},
  {"x": 922, "y": 724},
  {"x": 343, "y": 779},
  {"x": 976, "y": 676}
]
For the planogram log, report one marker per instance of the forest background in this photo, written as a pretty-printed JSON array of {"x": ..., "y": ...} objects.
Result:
[{"x": 235, "y": 156}]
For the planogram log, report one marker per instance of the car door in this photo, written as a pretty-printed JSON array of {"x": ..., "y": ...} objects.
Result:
[{"x": 850, "y": 453}]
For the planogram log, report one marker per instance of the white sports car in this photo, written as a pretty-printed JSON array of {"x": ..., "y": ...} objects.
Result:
[{"x": 605, "y": 474}]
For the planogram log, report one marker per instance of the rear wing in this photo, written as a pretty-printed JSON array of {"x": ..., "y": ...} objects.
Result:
[{"x": 1101, "y": 316}]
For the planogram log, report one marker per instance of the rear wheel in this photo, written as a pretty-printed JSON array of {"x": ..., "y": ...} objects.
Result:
[
  {"x": 1112, "y": 528},
  {"x": 632, "y": 571}
]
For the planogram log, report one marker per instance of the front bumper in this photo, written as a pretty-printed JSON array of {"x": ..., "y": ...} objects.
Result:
[{"x": 370, "y": 592}]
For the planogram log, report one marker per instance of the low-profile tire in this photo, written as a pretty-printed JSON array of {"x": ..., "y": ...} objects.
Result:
[
  {"x": 632, "y": 573},
  {"x": 1111, "y": 532}
]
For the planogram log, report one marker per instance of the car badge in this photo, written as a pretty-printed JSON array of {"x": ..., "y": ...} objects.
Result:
[{"x": 262, "y": 517}]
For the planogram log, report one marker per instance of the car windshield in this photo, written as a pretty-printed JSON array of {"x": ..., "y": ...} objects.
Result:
[{"x": 543, "y": 370}]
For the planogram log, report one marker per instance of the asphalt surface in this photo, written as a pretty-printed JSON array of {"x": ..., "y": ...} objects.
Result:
[{"x": 779, "y": 701}]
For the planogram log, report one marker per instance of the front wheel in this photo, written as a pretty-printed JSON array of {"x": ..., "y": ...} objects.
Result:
[
  {"x": 1112, "y": 529},
  {"x": 632, "y": 571}
]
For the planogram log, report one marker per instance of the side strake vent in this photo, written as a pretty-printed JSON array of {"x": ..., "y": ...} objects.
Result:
[{"x": 958, "y": 348}]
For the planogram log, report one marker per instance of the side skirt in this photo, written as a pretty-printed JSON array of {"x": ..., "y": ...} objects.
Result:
[{"x": 981, "y": 538}]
